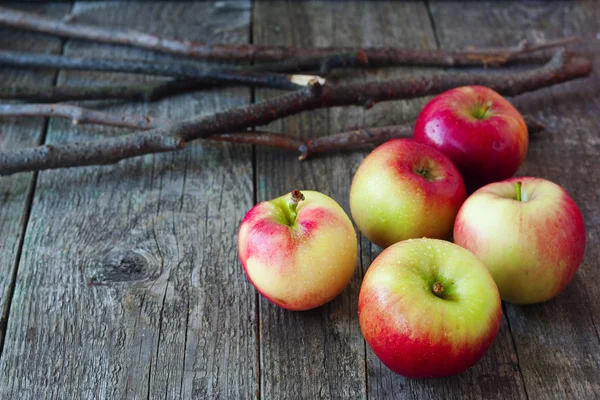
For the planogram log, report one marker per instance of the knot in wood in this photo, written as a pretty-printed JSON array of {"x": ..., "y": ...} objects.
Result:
[{"x": 120, "y": 266}]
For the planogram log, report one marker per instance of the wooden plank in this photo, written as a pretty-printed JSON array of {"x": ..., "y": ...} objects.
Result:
[
  {"x": 318, "y": 353},
  {"x": 129, "y": 285},
  {"x": 496, "y": 375},
  {"x": 558, "y": 342},
  {"x": 15, "y": 191},
  {"x": 332, "y": 356}
]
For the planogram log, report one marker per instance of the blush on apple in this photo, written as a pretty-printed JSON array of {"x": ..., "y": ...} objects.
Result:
[
  {"x": 428, "y": 308},
  {"x": 528, "y": 232},
  {"x": 405, "y": 189},
  {"x": 478, "y": 129},
  {"x": 298, "y": 250}
]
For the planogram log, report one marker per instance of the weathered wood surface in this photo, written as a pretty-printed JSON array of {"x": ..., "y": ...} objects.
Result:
[
  {"x": 557, "y": 343},
  {"x": 128, "y": 283},
  {"x": 318, "y": 372},
  {"x": 15, "y": 191},
  {"x": 320, "y": 353}
]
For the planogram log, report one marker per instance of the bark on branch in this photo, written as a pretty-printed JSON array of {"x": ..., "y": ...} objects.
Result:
[
  {"x": 338, "y": 142},
  {"x": 173, "y": 137},
  {"x": 157, "y": 90},
  {"x": 80, "y": 115},
  {"x": 178, "y": 70},
  {"x": 360, "y": 137},
  {"x": 252, "y": 53},
  {"x": 144, "y": 92}
]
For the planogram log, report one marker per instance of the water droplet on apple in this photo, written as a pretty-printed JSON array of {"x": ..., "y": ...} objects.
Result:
[{"x": 498, "y": 146}]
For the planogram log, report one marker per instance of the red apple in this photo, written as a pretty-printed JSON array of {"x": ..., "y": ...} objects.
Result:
[
  {"x": 478, "y": 129},
  {"x": 428, "y": 308},
  {"x": 298, "y": 250},
  {"x": 530, "y": 236},
  {"x": 404, "y": 190}
]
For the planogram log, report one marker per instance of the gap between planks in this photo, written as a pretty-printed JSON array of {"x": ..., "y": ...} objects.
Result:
[
  {"x": 26, "y": 215},
  {"x": 512, "y": 339},
  {"x": 259, "y": 390}
]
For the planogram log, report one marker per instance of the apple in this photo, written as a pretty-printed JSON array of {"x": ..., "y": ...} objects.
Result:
[
  {"x": 428, "y": 308},
  {"x": 404, "y": 190},
  {"x": 298, "y": 250},
  {"x": 528, "y": 232},
  {"x": 478, "y": 129}
]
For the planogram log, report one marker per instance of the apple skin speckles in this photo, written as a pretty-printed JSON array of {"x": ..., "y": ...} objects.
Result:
[
  {"x": 416, "y": 333},
  {"x": 478, "y": 129},
  {"x": 405, "y": 189},
  {"x": 299, "y": 264},
  {"x": 532, "y": 247}
]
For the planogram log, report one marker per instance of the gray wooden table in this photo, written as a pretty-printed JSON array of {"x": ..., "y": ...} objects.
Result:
[{"x": 123, "y": 281}]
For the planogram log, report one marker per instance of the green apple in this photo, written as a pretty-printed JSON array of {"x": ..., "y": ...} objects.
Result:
[
  {"x": 528, "y": 232},
  {"x": 405, "y": 189},
  {"x": 299, "y": 250},
  {"x": 428, "y": 308}
]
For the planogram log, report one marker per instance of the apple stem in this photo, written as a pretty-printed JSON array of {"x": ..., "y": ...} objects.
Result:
[
  {"x": 423, "y": 172},
  {"x": 480, "y": 110},
  {"x": 486, "y": 107},
  {"x": 518, "y": 190},
  {"x": 438, "y": 289},
  {"x": 295, "y": 198}
]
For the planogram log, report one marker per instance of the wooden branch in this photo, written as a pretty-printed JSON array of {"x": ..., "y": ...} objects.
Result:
[
  {"x": 173, "y": 137},
  {"x": 80, "y": 115},
  {"x": 261, "y": 138},
  {"x": 338, "y": 142},
  {"x": 145, "y": 92},
  {"x": 321, "y": 63},
  {"x": 354, "y": 139},
  {"x": 158, "y": 90},
  {"x": 358, "y": 138},
  {"x": 533, "y": 125},
  {"x": 251, "y": 53},
  {"x": 178, "y": 70}
]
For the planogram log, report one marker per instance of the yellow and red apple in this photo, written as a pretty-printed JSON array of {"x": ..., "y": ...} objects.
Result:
[
  {"x": 528, "y": 232},
  {"x": 404, "y": 189},
  {"x": 478, "y": 129},
  {"x": 428, "y": 308},
  {"x": 299, "y": 250}
]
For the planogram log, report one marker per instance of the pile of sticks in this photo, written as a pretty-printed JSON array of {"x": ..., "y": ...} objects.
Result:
[{"x": 303, "y": 71}]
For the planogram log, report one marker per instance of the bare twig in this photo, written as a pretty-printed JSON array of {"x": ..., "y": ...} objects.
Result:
[
  {"x": 344, "y": 141},
  {"x": 354, "y": 139},
  {"x": 261, "y": 138},
  {"x": 158, "y": 90},
  {"x": 253, "y": 53},
  {"x": 145, "y": 92},
  {"x": 360, "y": 137},
  {"x": 341, "y": 141},
  {"x": 534, "y": 125},
  {"x": 322, "y": 63},
  {"x": 80, "y": 115},
  {"x": 179, "y": 70},
  {"x": 174, "y": 136}
]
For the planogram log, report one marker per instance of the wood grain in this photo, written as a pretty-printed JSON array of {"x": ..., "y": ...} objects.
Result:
[
  {"x": 15, "y": 191},
  {"x": 318, "y": 353},
  {"x": 129, "y": 285},
  {"x": 329, "y": 363},
  {"x": 557, "y": 342},
  {"x": 496, "y": 375}
]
